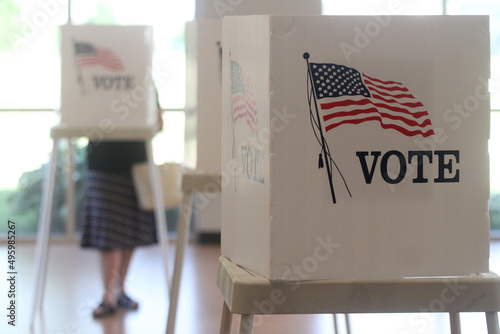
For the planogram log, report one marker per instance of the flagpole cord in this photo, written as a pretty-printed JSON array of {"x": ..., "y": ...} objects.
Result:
[{"x": 323, "y": 141}]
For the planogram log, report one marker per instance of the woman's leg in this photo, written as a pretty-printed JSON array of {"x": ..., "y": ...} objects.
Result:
[
  {"x": 111, "y": 261},
  {"x": 123, "y": 299},
  {"x": 126, "y": 256}
]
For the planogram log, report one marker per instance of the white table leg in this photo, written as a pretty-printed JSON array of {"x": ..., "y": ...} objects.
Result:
[
  {"x": 347, "y": 324},
  {"x": 182, "y": 239},
  {"x": 246, "y": 325},
  {"x": 43, "y": 235},
  {"x": 335, "y": 325},
  {"x": 455, "y": 323},
  {"x": 70, "y": 190},
  {"x": 161, "y": 220},
  {"x": 226, "y": 321},
  {"x": 492, "y": 322}
]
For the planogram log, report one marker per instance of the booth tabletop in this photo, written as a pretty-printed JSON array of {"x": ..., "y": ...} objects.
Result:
[
  {"x": 96, "y": 133},
  {"x": 247, "y": 293}
]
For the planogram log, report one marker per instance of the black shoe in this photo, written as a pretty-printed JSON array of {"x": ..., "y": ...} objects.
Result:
[
  {"x": 125, "y": 302},
  {"x": 103, "y": 310}
]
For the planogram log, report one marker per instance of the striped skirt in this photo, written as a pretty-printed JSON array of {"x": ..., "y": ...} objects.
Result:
[{"x": 111, "y": 216}]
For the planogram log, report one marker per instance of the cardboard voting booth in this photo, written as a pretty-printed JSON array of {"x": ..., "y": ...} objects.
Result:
[
  {"x": 203, "y": 136},
  {"x": 106, "y": 77},
  {"x": 204, "y": 94},
  {"x": 356, "y": 147},
  {"x": 203, "y": 131}
]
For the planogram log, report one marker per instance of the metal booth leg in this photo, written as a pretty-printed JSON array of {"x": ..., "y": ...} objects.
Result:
[
  {"x": 246, "y": 325},
  {"x": 455, "y": 323},
  {"x": 492, "y": 322},
  {"x": 226, "y": 320},
  {"x": 160, "y": 219},
  {"x": 43, "y": 235},
  {"x": 182, "y": 239}
]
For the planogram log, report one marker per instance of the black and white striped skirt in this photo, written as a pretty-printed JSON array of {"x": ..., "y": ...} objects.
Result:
[{"x": 111, "y": 216}]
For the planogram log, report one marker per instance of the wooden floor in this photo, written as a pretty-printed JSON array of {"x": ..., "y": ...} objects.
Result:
[{"x": 74, "y": 289}]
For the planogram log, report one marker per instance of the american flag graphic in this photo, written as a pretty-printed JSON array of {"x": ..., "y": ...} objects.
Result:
[
  {"x": 346, "y": 96},
  {"x": 243, "y": 98},
  {"x": 88, "y": 55}
]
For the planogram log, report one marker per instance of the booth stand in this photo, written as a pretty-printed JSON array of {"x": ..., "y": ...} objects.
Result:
[
  {"x": 249, "y": 294},
  {"x": 193, "y": 182},
  {"x": 62, "y": 132}
]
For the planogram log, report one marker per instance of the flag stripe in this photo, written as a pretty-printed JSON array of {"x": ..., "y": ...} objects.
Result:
[
  {"x": 244, "y": 104},
  {"x": 346, "y": 103},
  {"x": 240, "y": 112},
  {"x": 397, "y": 96},
  {"x": 383, "y": 82},
  {"x": 401, "y": 129},
  {"x": 406, "y": 104},
  {"x": 243, "y": 108},
  {"x": 105, "y": 58},
  {"x": 410, "y": 122},
  {"x": 387, "y": 88},
  {"x": 250, "y": 98}
]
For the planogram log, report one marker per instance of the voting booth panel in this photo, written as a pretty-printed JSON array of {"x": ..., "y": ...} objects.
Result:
[
  {"x": 356, "y": 147},
  {"x": 203, "y": 137},
  {"x": 106, "y": 77},
  {"x": 203, "y": 129},
  {"x": 203, "y": 94}
]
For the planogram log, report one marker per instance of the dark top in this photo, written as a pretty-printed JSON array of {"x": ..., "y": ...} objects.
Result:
[{"x": 111, "y": 156}]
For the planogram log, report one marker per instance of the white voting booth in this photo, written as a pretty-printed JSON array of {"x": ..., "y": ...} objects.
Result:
[
  {"x": 203, "y": 125},
  {"x": 107, "y": 93},
  {"x": 345, "y": 155},
  {"x": 203, "y": 130},
  {"x": 404, "y": 185},
  {"x": 106, "y": 77}
]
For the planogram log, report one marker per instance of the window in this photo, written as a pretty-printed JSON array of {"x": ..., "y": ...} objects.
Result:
[
  {"x": 29, "y": 54},
  {"x": 26, "y": 147}
]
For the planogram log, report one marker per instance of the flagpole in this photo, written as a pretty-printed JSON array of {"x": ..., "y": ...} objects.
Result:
[
  {"x": 323, "y": 140},
  {"x": 78, "y": 68}
]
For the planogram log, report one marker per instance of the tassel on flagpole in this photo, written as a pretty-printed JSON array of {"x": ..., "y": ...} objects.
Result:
[{"x": 320, "y": 161}]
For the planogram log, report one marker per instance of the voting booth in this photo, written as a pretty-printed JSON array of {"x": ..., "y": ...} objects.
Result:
[
  {"x": 106, "y": 77},
  {"x": 107, "y": 93},
  {"x": 203, "y": 123},
  {"x": 203, "y": 94},
  {"x": 356, "y": 147}
]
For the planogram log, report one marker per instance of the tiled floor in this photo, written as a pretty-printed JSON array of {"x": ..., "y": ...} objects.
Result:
[{"x": 73, "y": 289}]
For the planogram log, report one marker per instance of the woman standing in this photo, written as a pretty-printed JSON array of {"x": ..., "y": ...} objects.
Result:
[{"x": 112, "y": 220}]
